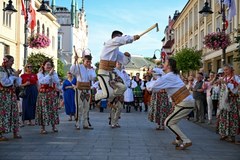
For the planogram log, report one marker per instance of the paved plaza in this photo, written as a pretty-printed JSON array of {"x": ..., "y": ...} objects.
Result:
[{"x": 137, "y": 139}]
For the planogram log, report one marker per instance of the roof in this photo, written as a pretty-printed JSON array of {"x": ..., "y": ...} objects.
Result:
[{"x": 138, "y": 62}]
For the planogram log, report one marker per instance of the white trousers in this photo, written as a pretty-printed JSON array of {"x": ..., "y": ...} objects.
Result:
[
  {"x": 107, "y": 91},
  {"x": 210, "y": 107},
  {"x": 116, "y": 112},
  {"x": 172, "y": 120},
  {"x": 82, "y": 102}
]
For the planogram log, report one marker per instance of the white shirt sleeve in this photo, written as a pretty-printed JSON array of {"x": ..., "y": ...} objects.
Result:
[{"x": 43, "y": 79}]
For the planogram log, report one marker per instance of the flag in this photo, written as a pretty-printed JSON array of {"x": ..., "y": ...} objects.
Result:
[
  {"x": 23, "y": 11},
  {"x": 31, "y": 17},
  {"x": 163, "y": 55},
  {"x": 232, "y": 9}
]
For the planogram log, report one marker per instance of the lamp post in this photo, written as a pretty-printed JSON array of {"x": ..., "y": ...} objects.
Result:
[
  {"x": 206, "y": 11},
  {"x": 10, "y": 9}
]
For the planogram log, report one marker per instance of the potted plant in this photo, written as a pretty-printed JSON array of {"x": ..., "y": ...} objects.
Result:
[
  {"x": 38, "y": 41},
  {"x": 217, "y": 40}
]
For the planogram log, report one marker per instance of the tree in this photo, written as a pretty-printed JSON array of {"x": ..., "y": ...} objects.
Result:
[
  {"x": 237, "y": 40},
  {"x": 60, "y": 69},
  {"x": 37, "y": 59},
  {"x": 188, "y": 59}
]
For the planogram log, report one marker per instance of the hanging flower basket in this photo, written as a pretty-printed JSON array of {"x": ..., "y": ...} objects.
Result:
[
  {"x": 38, "y": 41},
  {"x": 217, "y": 40}
]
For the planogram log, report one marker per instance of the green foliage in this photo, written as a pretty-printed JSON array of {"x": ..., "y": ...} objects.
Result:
[
  {"x": 237, "y": 40},
  {"x": 37, "y": 59},
  {"x": 60, "y": 69},
  {"x": 188, "y": 59}
]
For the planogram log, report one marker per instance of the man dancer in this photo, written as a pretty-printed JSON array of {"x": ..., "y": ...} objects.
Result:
[
  {"x": 181, "y": 98},
  {"x": 84, "y": 75},
  {"x": 117, "y": 103},
  {"x": 111, "y": 54}
]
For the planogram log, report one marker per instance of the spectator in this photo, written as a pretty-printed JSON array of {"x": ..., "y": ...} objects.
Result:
[
  {"x": 69, "y": 95},
  {"x": 138, "y": 94},
  {"x": 199, "y": 96},
  {"x": 29, "y": 82},
  {"x": 128, "y": 96},
  {"x": 146, "y": 93}
]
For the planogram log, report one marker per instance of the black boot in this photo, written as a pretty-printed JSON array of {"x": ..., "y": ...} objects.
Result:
[{"x": 146, "y": 108}]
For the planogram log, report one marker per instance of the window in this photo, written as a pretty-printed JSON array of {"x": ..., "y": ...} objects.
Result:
[
  {"x": 218, "y": 63},
  {"x": 201, "y": 39},
  {"x": 6, "y": 49},
  {"x": 47, "y": 32},
  {"x": 209, "y": 28},
  {"x": 59, "y": 42},
  {"x": 190, "y": 19},
  {"x": 7, "y": 17},
  {"x": 195, "y": 14},
  {"x": 218, "y": 22},
  {"x": 43, "y": 29},
  {"x": 53, "y": 42},
  {"x": 38, "y": 27},
  {"x": 230, "y": 60},
  {"x": 196, "y": 41},
  {"x": 209, "y": 66}
]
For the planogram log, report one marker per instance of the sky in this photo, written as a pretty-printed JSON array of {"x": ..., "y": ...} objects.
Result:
[{"x": 130, "y": 17}]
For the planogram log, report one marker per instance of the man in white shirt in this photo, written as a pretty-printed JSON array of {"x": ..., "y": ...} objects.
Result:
[
  {"x": 117, "y": 103},
  {"x": 181, "y": 98},
  {"x": 110, "y": 55},
  {"x": 84, "y": 75}
]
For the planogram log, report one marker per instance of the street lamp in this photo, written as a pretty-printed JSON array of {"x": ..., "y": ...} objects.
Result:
[
  {"x": 154, "y": 56},
  {"x": 10, "y": 9},
  {"x": 206, "y": 11}
]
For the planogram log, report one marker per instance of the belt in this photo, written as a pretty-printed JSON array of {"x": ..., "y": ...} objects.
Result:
[{"x": 107, "y": 65}]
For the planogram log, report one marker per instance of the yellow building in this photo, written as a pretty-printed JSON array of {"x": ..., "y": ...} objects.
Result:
[
  {"x": 12, "y": 36},
  {"x": 191, "y": 27}
]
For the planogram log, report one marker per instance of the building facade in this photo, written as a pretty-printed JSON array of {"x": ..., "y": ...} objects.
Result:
[
  {"x": 190, "y": 28},
  {"x": 73, "y": 31},
  {"x": 12, "y": 36}
]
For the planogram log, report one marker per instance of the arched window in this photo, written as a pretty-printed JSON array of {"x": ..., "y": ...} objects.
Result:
[
  {"x": 43, "y": 29},
  {"x": 38, "y": 26},
  {"x": 47, "y": 32}
]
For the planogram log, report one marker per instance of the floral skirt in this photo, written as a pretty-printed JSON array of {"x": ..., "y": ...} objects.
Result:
[
  {"x": 9, "y": 117},
  {"x": 47, "y": 108},
  {"x": 229, "y": 121},
  {"x": 159, "y": 108}
]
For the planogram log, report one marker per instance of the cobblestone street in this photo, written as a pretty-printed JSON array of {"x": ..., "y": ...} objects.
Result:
[{"x": 137, "y": 139}]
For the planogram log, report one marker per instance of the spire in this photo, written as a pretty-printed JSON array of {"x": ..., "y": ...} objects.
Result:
[
  {"x": 53, "y": 5},
  {"x": 82, "y": 5},
  {"x": 76, "y": 14},
  {"x": 73, "y": 12}
]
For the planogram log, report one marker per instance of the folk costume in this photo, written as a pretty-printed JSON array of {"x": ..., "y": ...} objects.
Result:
[
  {"x": 9, "y": 117},
  {"x": 82, "y": 93},
  {"x": 47, "y": 101},
  {"x": 160, "y": 106},
  {"x": 117, "y": 103},
  {"x": 183, "y": 101},
  {"x": 109, "y": 56},
  {"x": 128, "y": 96},
  {"x": 229, "y": 117},
  {"x": 138, "y": 95}
]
